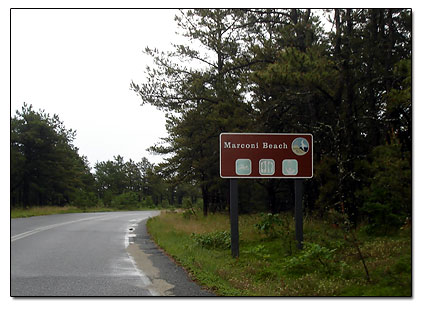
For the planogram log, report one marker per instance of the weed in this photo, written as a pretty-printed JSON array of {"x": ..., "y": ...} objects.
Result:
[
  {"x": 259, "y": 251},
  {"x": 214, "y": 240},
  {"x": 270, "y": 225},
  {"x": 313, "y": 258},
  {"x": 276, "y": 226}
]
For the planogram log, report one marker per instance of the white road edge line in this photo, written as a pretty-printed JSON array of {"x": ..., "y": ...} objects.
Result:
[{"x": 43, "y": 228}]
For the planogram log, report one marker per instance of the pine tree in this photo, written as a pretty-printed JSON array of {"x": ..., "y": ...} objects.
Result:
[{"x": 46, "y": 168}]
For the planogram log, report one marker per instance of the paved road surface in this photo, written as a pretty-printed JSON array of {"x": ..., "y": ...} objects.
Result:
[{"x": 92, "y": 254}]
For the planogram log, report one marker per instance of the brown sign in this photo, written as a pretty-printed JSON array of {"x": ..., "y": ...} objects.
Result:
[{"x": 266, "y": 155}]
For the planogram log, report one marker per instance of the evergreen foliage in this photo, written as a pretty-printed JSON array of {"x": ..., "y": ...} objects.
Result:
[
  {"x": 279, "y": 70},
  {"x": 387, "y": 198},
  {"x": 46, "y": 168},
  {"x": 252, "y": 70}
]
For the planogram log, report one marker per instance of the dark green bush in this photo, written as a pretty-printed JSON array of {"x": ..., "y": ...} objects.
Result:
[
  {"x": 148, "y": 202},
  {"x": 125, "y": 201},
  {"x": 269, "y": 225},
  {"x": 83, "y": 199},
  {"x": 273, "y": 225},
  {"x": 388, "y": 196}
]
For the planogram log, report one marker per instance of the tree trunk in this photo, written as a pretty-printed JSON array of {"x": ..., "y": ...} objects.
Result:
[
  {"x": 205, "y": 198},
  {"x": 25, "y": 192}
]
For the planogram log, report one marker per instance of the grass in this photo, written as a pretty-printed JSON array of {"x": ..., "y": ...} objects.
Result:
[
  {"x": 49, "y": 210},
  {"x": 272, "y": 266}
]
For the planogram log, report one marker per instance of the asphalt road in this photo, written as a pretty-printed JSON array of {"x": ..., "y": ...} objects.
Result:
[{"x": 92, "y": 254}]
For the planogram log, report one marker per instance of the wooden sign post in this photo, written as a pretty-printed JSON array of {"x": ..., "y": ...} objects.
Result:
[{"x": 264, "y": 156}]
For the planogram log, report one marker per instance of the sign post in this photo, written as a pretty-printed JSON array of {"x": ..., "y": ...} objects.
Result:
[
  {"x": 299, "y": 213},
  {"x": 234, "y": 218},
  {"x": 265, "y": 156}
]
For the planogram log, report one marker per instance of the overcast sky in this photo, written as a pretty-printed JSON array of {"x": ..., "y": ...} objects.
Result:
[{"x": 79, "y": 64}]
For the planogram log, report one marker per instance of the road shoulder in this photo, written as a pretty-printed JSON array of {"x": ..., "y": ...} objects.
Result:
[{"x": 167, "y": 278}]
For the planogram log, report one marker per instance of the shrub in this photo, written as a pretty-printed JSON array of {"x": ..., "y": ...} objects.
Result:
[
  {"x": 147, "y": 202},
  {"x": 189, "y": 208},
  {"x": 199, "y": 204},
  {"x": 313, "y": 258},
  {"x": 269, "y": 225},
  {"x": 259, "y": 251},
  {"x": 186, "y": 203},
  {"x": 213, "y": 240},
  {"x": 128, "y": 200},
  {"x": 273, "y": 225},
  {"x": 387, "y": 198},
  {"x": 108, "y": 197},
  {"x": 187, "y": 214},
  {"x": 84, "y": 199},
  {"x": 277, "y": 226},
  {"x": 327, "y": 178},
  {"x": 165, "y": 204}
]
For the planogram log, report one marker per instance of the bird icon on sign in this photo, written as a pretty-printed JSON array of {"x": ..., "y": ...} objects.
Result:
[{"x": 300, "y": 146}]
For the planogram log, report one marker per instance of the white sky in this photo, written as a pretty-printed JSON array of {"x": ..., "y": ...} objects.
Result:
[{"x": 79, "y": 64}]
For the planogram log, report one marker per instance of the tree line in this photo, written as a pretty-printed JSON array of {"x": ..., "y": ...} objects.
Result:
[
  {"x": 46, "y": 169},
  {"x": 347, "y": 82}
]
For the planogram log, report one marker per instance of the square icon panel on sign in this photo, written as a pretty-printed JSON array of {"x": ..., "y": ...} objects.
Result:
[
  {"x": 243, "y": 167},
  {"x": 266, "y": 167},
  {"x": 289, "y": 167}
]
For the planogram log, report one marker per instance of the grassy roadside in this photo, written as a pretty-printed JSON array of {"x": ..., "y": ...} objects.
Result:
[
  {"x": 37, "y": 211},
  {"x": 270, "y": 265}
]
